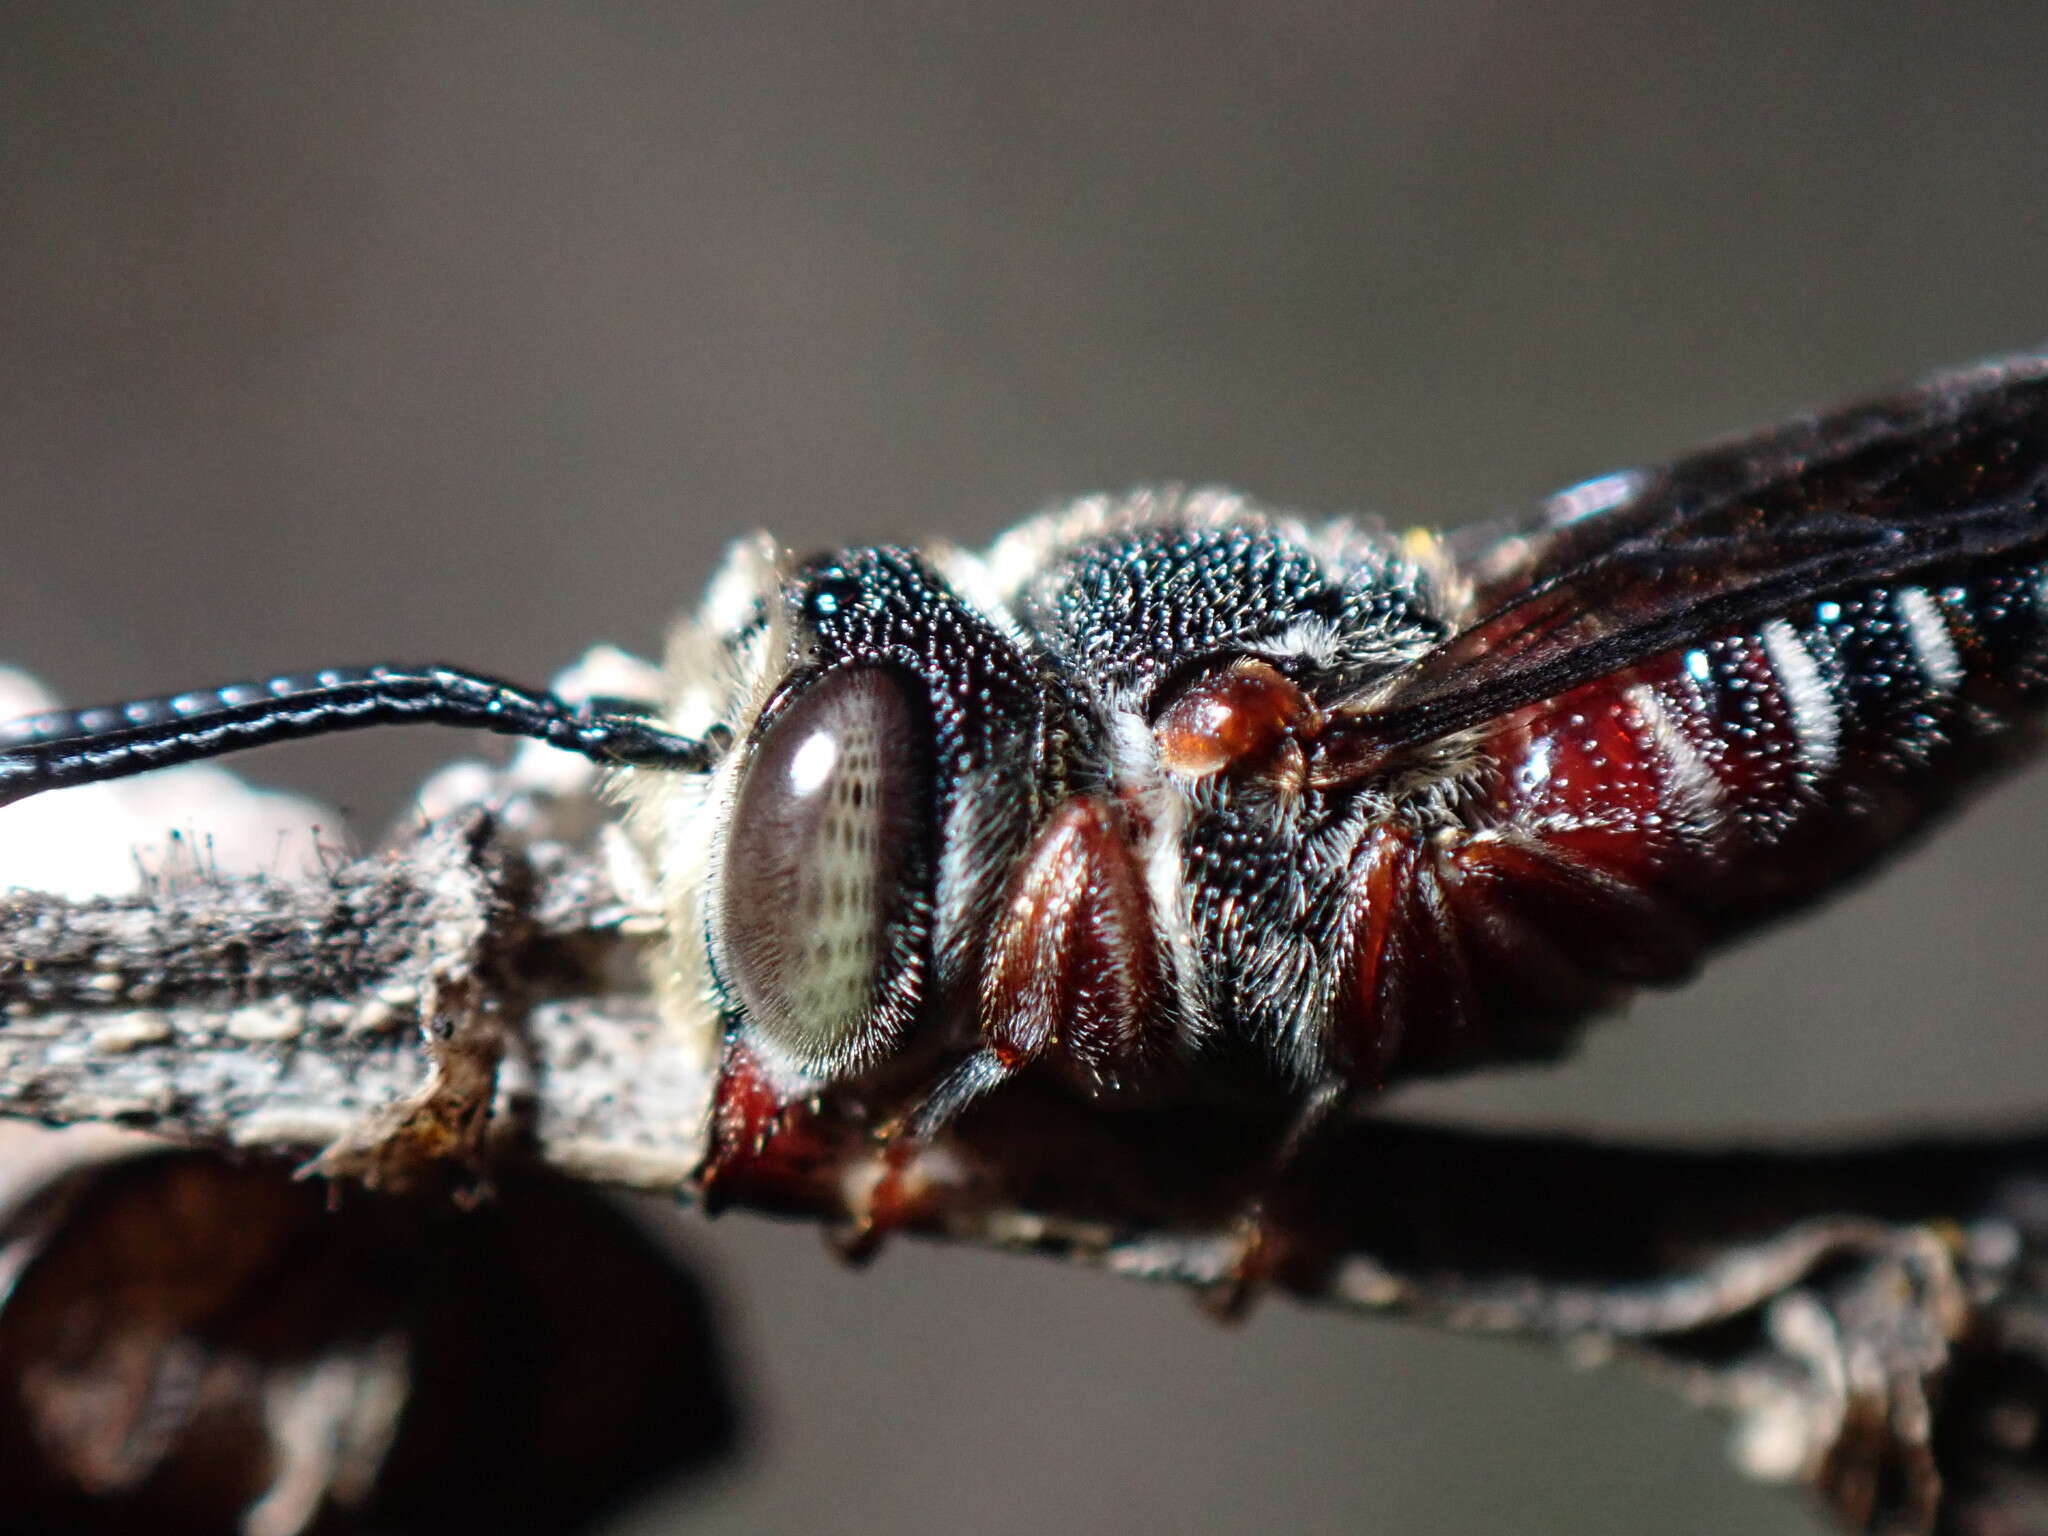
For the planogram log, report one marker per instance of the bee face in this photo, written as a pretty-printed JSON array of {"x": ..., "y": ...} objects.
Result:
[{"x": 1053, "y": 801}]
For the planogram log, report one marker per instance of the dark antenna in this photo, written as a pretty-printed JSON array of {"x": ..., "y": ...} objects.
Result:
[{"x": 85, "y": 746}]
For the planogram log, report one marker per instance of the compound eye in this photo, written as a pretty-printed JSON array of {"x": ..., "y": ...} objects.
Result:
[{"x": 821, "y": 867}]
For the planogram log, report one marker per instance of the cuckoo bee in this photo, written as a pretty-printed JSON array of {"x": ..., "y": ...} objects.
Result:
[{"x": 1170, "y": 795}]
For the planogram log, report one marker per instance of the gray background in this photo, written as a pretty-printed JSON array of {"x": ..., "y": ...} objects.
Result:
[{"x": 337, "y": 333}]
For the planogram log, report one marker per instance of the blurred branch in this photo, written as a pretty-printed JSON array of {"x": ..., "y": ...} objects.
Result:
[{"x": 1874, "y": 1320}]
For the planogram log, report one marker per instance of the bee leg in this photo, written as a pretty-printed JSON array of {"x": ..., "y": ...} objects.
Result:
[
  {"x": 883, "y": 1211},
  {"x": 748, "y": 1116},
  {"x": 900, "y": 1185},
  {"x": 1263, "y": 1235},
  {"x": 759, "y": 1139}
]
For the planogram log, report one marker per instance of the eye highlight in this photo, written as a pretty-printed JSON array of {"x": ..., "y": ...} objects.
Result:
[{"x": 821, "y": 867}]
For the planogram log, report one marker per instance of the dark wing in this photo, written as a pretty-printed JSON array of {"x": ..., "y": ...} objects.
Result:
[{"x": 1631, "y": 566}]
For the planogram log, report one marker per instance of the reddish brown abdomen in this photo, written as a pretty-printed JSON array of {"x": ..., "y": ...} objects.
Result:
[{"x": 1624, "y": 826}]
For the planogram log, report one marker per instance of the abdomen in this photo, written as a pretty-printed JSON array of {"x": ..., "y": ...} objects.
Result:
[{"x": 1622, "y": 828}]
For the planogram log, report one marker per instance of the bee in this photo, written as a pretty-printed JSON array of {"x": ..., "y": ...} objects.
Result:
[{"x": 1169, "y": 795}]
